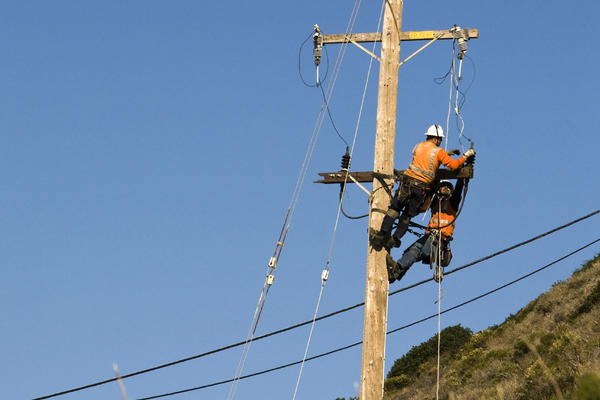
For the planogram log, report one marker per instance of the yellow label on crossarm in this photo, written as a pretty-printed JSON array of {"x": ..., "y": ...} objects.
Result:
[{"x": 420, "y": 35}]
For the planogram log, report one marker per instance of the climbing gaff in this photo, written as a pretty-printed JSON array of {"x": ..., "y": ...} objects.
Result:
[{"x": 317, "y": 48}]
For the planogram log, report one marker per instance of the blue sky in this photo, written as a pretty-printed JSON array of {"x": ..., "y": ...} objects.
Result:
[{"x": 149, "y": 151}]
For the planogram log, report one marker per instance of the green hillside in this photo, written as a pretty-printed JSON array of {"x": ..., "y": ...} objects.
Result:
[{"x": 550, "y": 349}]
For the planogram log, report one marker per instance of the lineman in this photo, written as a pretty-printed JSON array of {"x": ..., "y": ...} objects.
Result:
[
  {"x": 415, "y": 186},
  {"x": 426, "y": 248}
]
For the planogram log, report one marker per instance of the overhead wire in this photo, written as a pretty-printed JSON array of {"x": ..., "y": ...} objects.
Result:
[
  {"x": 326, "y": 270},
  {"x": 329, "y": 315},
  {"x": 471, "y": 300},
  {"x": 295, "y": 196}
]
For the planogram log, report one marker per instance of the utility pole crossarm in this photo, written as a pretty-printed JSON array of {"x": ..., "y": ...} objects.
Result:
[
  {"x": 404, "y": 36},
  {"x": 368, "y": 176}
]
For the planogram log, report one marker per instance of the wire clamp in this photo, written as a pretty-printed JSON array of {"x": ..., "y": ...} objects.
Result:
[
  {"x": 461, "y": 36},
  {"x": 270, "y": 279},
  {"x": 325, "y": 275},
  {"x": 273, "y": 262}
]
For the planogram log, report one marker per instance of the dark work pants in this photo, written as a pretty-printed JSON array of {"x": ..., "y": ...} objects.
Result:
[
  {"x": 418, "y": 251},
  {"x": 425, "y": 249},
  {"x": 407, "y": 201}
]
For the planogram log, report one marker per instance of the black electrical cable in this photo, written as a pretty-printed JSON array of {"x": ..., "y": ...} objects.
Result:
[
  {"x": 394, "y": 17},
  {"x": 350, "y": 216},
  {"x": 498, "y": 288},
  {"x": 300, "y": 62},
  {"x": 387, "y": 333},
  {"x": 342, "y": 206},
  {"x": 319, "y": 84},
  {"x": 310, "y": 321},
  {"x": 253, "y": 374},
  {"x": 501, "y": 251},
  {"x": 289, "y": 328},
  {"x": 462, "y": 95},
  {"x": 331, "y": 118},
  {"x": 441, "y": 79}
]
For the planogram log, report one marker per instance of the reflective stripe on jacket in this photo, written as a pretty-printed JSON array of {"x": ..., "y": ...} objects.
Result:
[
  {"x": 448, "y": 212},
  {"x": 444, "y": 220},
  {"x": 427, "y": 157},
  {"x": 423, "y": 164}
]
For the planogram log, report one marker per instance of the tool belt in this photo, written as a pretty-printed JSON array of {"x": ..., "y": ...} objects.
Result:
[
  {"x": 446, "y": 251},
  {"x": 406, "y": 180},
  {"x": 435, "y": 232}
]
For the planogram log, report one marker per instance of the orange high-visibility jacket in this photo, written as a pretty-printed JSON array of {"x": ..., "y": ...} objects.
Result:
[
  {"x": 427, "y": 157},
  {"x": 443, "y": 219},
  {"x": 444, "y": 212}
]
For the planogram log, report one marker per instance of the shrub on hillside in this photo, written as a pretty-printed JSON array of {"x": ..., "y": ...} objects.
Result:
[
  {"x": 591, "y": 299},
  {"x": 519, "y": 348},
  {"x": 523, "y": 312},
  {"x": 452, "y": 339},
  {"x": 397, "y": 382}
]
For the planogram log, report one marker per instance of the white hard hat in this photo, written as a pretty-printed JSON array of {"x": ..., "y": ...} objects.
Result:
[{"x": 435, "y": 131}]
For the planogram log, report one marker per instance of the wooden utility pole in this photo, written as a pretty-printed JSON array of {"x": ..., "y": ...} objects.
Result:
[
  {"x": 376, "y": 291},
  {"x": 373, "y": 355}
]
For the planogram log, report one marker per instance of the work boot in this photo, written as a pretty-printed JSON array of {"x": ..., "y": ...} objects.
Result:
[
  {"x": 396, "y": 241},
  {"x": 401, "y": 272},
  {"x": 389, "y": 243},
  {"x": 392, "y": 268},
  {"x": 379, "y": 239}
]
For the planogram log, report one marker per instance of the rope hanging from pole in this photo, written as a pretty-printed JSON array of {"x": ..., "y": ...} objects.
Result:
[
  {"x": 345, "y": 166},
  {"x": 439, "y": 275},
  {"x": 295, "y": 196}
]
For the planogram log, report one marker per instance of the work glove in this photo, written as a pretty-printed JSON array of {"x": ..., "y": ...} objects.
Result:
[
  {"x": 454, "y": 152},
  {"x": 469, "y": 153},
  {"x": 378, "y": 239}
]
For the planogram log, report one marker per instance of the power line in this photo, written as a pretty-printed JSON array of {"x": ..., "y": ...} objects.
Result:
[
  {"x": 337, "y": 218},
  {"x": 298, "y": 325},
  {"x": 295, "y": 197},
  {"x": 387, "y": 333}
]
